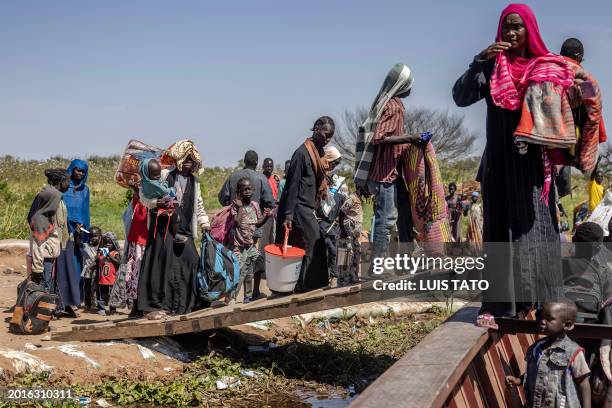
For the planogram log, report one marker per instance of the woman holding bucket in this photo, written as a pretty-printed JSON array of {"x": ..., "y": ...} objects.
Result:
[{"x": 305, "y": 186}]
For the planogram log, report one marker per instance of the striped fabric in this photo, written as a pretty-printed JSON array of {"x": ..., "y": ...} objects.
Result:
[
  {"x": 591, "y": 129},
  {"x": 427, "y": 202},
  {"x": 388, "y": 156},
  {"x": 399, "y": 80},
  {"x": 546, "y": 118},
  {"x": 508, "y": 91}
]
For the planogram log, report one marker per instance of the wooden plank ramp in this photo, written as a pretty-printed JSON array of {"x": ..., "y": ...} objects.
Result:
[{"x": 213, "y": 318}]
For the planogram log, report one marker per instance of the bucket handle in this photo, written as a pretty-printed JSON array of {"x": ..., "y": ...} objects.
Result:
[{"x": 286, "y": 241}]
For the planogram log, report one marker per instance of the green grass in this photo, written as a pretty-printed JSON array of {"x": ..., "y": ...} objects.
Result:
[{"x": 20, "y": 180}]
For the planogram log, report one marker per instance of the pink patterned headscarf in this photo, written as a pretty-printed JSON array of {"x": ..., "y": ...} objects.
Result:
[{"x": 511, "y": 75}]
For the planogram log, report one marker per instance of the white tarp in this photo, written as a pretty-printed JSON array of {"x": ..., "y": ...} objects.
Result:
[{"x": 602, "y": 213}]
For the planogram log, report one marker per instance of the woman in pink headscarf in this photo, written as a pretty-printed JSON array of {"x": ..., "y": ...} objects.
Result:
[{"x": 526, "y": 272}]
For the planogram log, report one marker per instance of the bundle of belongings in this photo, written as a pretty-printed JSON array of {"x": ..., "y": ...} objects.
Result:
[
  {"x": 128, "y": 171},
  {"x": 555, "y": 114},
  {"x": 587, "y": 112},
  {"x": 427, "y": 201}
]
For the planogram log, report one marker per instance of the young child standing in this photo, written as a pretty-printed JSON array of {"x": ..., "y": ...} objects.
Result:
[
  {"x": 109, "y": 260},
  {"x": 557, "y": 372},
  {"x": 351, "y": 220},
  {"x": 248, "y": 218},
  {"x": 90, "y": 263}
]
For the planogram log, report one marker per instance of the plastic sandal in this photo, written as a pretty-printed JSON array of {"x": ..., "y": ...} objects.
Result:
[{"x": 486, "y": 320}]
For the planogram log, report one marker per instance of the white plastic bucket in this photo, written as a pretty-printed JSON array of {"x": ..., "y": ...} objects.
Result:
[{"x": 283, "y": 271}]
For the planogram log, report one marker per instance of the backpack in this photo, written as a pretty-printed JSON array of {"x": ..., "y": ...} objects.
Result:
[
  {"x": 582, "y": 285},
  {"x": 34, "y": 309},
  {"x": 221, "y": 225},
  {"x": 218, "y": 271}
]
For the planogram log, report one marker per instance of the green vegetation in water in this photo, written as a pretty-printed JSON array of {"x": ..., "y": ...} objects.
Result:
[{"x": 317, "y": 359}]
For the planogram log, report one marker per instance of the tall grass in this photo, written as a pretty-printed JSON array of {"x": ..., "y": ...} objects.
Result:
[{"x": 20, "y": 180}]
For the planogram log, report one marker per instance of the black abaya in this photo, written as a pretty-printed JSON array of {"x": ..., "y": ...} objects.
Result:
[
  {"x": 529, "y": 270},
  {"x": 167, "y": 278}
]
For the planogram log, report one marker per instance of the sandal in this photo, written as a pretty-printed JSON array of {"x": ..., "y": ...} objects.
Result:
[{"x": 486, "y": 320}]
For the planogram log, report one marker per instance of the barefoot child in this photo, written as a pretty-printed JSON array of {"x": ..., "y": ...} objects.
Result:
[
  {"x": 557, "y": 372},
  {"x": 109, "y": 260},
  {"x": 248, "y": 218},
  {"x": 90, "y": 263},
  {"x": 351, "y": 219}
]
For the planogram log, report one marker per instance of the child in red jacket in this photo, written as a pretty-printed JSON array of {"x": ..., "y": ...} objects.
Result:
[{"x": 109, "y": 260}]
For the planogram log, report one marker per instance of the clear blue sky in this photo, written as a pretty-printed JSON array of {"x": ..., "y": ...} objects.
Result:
[{"x": 81, "y": 78}]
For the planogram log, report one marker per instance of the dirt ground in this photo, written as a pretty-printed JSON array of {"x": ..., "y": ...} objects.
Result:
[
  {"x": 89, "y": 361},
  {"x": 92, "y": 362},
  {"x": 20, "y": 354}
]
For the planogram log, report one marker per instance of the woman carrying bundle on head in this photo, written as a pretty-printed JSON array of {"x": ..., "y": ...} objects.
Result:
[{"x": 166, "y": 284}]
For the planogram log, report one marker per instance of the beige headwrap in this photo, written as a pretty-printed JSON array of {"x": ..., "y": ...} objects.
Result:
[
  {"x": 331, "y": 153},
  {"x": 183, "y": 149}
]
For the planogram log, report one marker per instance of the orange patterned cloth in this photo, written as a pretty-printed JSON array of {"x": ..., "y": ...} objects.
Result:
[
  {"x": 546, "y": 118},
  {"x": 427, "y": 201},
  {"x": 591, "y": 129}
]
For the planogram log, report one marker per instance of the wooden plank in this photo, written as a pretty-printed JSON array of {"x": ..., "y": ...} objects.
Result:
[
  {"x": 440, "y": 361},
  {"x": 493, "y": 368},
  {"x": 510, "y": 355},
  {"x": 486, "y": 377},
  {"x": 581, "y": 330},
  {"x": 453, "y": 402},
  {"x": 502, "y": 369},
  {"x": 222, "y": 317},
  {"x": 478, "y": 393},
  {"x": 468, "y": 391}
]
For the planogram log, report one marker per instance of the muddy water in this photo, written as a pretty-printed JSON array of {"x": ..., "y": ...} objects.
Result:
[
  {"x": 281, "y": 401},
  {"x": 307, "y": 399}
]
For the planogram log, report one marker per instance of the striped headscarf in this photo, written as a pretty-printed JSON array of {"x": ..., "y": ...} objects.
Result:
[
  {"x": 511, "y": 75},
  {"x": 398, "y": 81}
]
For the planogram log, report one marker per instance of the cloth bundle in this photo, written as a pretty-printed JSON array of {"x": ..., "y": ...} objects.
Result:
[
  {"x": 127, "y": 174},
  {"x": 590, "y": 129},
  {"x": 398, "y": 81},
  {"x": 546, "y": 118},
  {"x": 176, "y": 154},
  {"x": 427, "y": 202}
]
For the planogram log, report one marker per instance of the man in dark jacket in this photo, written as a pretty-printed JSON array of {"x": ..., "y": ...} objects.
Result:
[
  {"x": 262, "y": 193},
  {"x": 296, "y": 212}
]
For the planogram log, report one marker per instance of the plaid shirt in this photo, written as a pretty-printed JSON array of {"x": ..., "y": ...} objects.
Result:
[{"x": 387, "y": 156}]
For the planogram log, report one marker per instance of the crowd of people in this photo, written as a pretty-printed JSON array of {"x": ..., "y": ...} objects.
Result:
[
  {"x": 312, "y": 207},
  {"x": 153, "y": 274}
]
